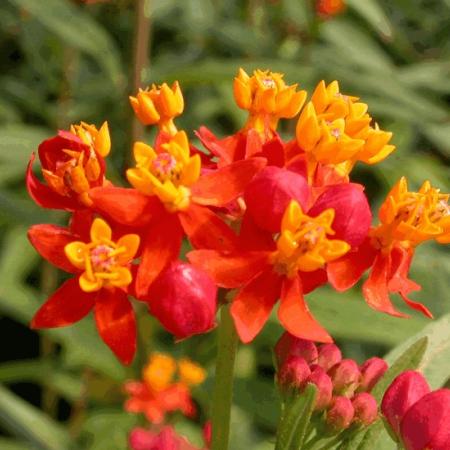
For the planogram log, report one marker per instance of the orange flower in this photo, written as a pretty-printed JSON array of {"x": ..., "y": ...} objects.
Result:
[
  {"x": 165, "y": 388},
  {"x": 159, "y": 105},
  {"x": 267, "y": 98},
  {"x": 330, "y": 8}
]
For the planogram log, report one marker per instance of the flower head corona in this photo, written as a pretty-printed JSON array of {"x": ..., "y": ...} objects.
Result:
[
  {"x": 303, "y": 244},
  {"x": 267, "y": 98},
  {"x": 166, "y": 172},
  {"x": 103, "y": 261},
  {"x": 159, "y": 105}
]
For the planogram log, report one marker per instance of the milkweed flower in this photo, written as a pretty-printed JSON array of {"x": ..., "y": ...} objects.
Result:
[
  {"x": 329, "y": 8},
  {"x": 407, "y": 219},
  {"x": 102, "y": 269},
  {"x": 159, "y": 105},
  {"x": 171, "y": 197},
  {"x": 72, "y": 163},
  {"x": 165, "y": 388}
]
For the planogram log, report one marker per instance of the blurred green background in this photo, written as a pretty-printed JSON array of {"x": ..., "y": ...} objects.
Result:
[{"x": 63, "y": 61}]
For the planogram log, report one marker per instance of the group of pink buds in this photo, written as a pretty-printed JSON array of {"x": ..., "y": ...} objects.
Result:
[{"x": 343, "y": 387}]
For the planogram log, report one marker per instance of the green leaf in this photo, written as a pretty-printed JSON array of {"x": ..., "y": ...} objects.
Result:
[
  {"x": 29, "y": 423},
  {"x": 295, "y": 420},
  {"x": 77, "y": 29},
  {"x": 373, "y": 13},
  {"x": 11, "y": 444}
]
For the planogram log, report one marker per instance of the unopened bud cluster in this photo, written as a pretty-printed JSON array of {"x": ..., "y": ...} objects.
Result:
[{"x": 343, "y": 387}]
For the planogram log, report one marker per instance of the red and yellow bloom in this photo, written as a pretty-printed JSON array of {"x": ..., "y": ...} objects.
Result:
[{"x": 102, "y": 272}]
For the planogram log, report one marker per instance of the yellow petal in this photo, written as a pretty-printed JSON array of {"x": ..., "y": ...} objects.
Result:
[
  {"x": 191, "y": 171},
  {"x": 190, "y": 373},
  {"x": 88, "y": 285},
  {"x": 76, "y": 253},
  {"x": 122, "y": 277},
  {"x": 292, "y": 216},
  {"x": 130, "y": 242},
  {"x": 100, "y": 231},
  {"x": 103, "y": 140},
  {"x": 143, "y": 154},
  {"x": 140, "y": 180}
]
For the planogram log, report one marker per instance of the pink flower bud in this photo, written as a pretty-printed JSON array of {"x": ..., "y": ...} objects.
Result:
[
  {"x": 141, "y": 439},
  {"x": 352, "y": 211},
  {"x": 366, "y": 408},
  {"x": 289, "y": 345},
  {"x": 293, "y": 373},
  {"x": 371, "y": 371},
  {"x": 269, "y": 193},
  {"x": 403, "y": 392},
  {"x": 324, "y": 387},
  {"x": 329, "y": 355},
  {"x": 345, "y": 377},
  {"x": 340, "y": 414},
  {"x": 426, "y": 424},
  {"x": 207, "y": 433},
  {"x": 184, "y": 300}
]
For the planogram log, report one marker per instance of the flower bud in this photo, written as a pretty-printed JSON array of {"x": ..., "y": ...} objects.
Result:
[
  {"x": 184, "y": 300},
  {"x": 340, "y": 414},
  {"x": 426, "y": 424},
  {"x": 293, "y": 373},
  {"x": 290, "y": 345},
  {"x": 345, "y": 377},
  {"x": 141, "y": 439},
  {"x": 352, "y": 212},
  {"x": 366, "y": 408},
  {"x": 324, "y": 387},
  {"x": 270, "y": 192},
  {"x": 329, "y": 355},
  {"x": 207, "y": 433},
  {"x": 403, "y": 392},
  {"x": 371, "y": 371}
]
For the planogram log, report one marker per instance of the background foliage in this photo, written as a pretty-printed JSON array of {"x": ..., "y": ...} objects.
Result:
[{"x": 62, "y": 62}]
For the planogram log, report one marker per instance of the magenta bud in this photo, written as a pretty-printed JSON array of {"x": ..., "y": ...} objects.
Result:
[
  {"x": 269, "y": 193},
  {"x": 403, "y": 392},
  {"x": 426, "y": 424},
  {"x": 289, "y": 345},
  {"x": 340, "y": 414},
  {"x": 141, "y": 439},
  {"x": 371, "y": 371},
  {"x": 329, "y": 355},
  {"x": 324, "y": 387},
  {"x": 293, "y": 373},
  {"x": 366, "y": 408},
  {"x": 183, "y": 299},
  {"x": 345, "y": 377}
]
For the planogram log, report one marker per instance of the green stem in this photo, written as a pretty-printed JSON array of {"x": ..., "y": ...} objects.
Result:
[{"x": 223, "y": 384}]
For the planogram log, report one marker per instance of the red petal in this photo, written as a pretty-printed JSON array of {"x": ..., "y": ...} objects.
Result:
[
  {"x": 347, "y": 271},
  {"x": 295, "y": 316},
  {"x": 273, "y": 151},
  {"x": 43, "y": 195},
  {"x": 116, "y": 323},
  {"x": 228, "y": 270},
  {"x": 312, "y": 280},
  {"x": 399, "y": 282},
  {"x": 375, "y": 289},
  {"x": 252, "y": 237},
  {"x": 228, "y": 150},
  {"x": 253, "y": 304},
  {"x": 222, "y": 186},
  {"x": 206, "y": 230},
  {"x": 49, "y": 241},
  {"x": 126, "y": 206},
  {"x": 67, "y": 305},
  {"x": 161, "y": 246},
  {"x": 80, "y": 223}
]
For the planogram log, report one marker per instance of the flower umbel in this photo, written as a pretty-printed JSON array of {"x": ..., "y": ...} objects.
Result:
[{"x": 104, "y": 261}]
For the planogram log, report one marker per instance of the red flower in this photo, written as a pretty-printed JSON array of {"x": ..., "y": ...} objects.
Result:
[
  {"x": 292, "y": 265},
  {"x": 170, "y": 199},
  {"x": 102, "y": 274},
  {"x": 72, "y": 163}
]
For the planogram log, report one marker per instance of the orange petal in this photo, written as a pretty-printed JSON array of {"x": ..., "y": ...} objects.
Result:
[
  {"x": 67, "y": 305},
  {"x": 253, "y": 304},
  {"x": 226, "y": 184},
  {"x": 126, "y": 206},
  {"x": 375, "y": 289},
  {"x": 228, "y": 270},
  {"x": 295, "y": 316},
  {"x": 116, "y": 324},
  {"x": 206, "y": 230},
  {"x": 49, "y": 241},
  {"x": 161, "y": 246}
]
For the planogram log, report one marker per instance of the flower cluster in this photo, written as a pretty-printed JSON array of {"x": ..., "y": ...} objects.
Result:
[
  {"x": 270, "y": 217},
  {"x": 165, "y": 388},
  {"x": 416, "y": 416},
  {"x": 343, "y": 388}
]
